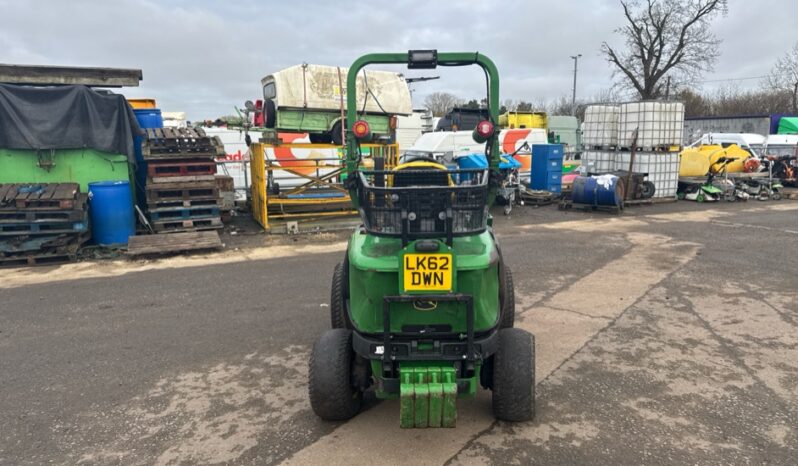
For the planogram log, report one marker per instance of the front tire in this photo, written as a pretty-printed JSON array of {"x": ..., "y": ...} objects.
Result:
[
  {"x": 514, "y": 376},
  {"x": 332, "y": 394}
]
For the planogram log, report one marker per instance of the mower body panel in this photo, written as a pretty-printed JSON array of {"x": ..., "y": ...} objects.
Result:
[{"x": 375, "y": 271}]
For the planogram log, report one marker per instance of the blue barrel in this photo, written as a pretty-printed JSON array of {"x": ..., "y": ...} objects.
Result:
[
  {"x": 111, "y": 210},
  {"x": 149, "y": 117},
  {"x": 603, "y": 190}
]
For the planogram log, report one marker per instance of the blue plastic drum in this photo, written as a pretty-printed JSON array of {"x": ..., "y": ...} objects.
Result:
[{"x": 111, "y": 212}]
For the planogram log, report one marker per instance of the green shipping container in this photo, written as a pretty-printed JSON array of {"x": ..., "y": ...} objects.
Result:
[{"x": 81, "y": 166}]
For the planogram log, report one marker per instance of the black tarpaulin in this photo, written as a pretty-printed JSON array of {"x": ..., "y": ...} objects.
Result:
[{"x": 66, "y": 117}]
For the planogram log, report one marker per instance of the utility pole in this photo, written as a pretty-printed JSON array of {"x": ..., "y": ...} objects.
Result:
[
  {"x": 573, "y": 96},
  {"x": 668, "y": 89}
]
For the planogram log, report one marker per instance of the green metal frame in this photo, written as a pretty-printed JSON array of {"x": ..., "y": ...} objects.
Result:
[{"x": 444, "y": 59}]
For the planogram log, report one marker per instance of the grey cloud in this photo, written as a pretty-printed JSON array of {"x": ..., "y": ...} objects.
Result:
[{"x": 206, "y": 56}]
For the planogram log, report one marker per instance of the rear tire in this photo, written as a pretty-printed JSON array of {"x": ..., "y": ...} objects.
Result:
[
  {"x": 508, "y": 300},
  {"x": 514, "y": 376},
  {"x": 332, "y": 395},
  {"x": 339, "y": 294}
]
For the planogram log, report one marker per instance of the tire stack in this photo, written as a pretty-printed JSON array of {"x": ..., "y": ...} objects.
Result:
[{"x": 180, "y": 189}]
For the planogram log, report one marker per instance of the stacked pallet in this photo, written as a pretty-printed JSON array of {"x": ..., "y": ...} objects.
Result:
[
  {"x": 181, "y": 191},
  {"x": 42, "y": 223}
]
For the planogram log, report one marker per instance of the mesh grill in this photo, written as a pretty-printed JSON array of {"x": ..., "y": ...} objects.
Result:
[{"x": 424, "y": 203}]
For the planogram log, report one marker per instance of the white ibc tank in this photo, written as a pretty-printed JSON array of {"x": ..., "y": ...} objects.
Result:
[
  {"x": 600, "y": 126},
  {"x": 597, "y": 161},
  {"x": 662, "y": 169},
  {"x": 659, "y": 124}
]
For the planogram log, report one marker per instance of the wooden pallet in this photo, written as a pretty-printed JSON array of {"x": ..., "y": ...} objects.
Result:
[
  {"x": 179, "y": 179},
  {"x": 43, "y": 228},
  {"x": 163, "y": 192},
  {"x": 183, "y": 213},
  {"x": 211, "y": 202},
  {"x": 181, "y": 167},
  {"x": 187, "y": 225},
  {"x": 67, "y": 253},
  {"x": 165, "y": 143},
  {"x": 41, "y": 196},
  {"x": 30, "y": 216},
  {"x": 173, "y": 242}
]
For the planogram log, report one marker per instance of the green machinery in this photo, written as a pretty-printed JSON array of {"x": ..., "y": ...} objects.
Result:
[{"x": 422, "y": 306}]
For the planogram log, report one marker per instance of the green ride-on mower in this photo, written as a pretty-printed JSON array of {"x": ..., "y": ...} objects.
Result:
[{"x": 422, "y": 305}]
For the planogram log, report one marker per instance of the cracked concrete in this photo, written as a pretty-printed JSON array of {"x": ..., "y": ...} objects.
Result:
[{"x": 667, "y": 335}]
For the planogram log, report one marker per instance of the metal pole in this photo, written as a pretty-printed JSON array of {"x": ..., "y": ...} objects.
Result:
[
  {"x": 668, "y": 89},
  {"x": 573, "y": 96}
]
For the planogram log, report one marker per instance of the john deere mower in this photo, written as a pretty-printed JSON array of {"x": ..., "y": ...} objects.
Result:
[{"x": 422, "y": 305}]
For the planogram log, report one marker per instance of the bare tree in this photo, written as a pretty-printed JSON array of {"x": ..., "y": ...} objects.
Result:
[
  {"x": 440, "y": 103},
  {"x": 784, "y": 76},
  {"x": 665, "y": 38}
]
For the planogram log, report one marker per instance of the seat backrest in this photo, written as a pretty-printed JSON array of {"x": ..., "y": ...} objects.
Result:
[{"x": 421, "y": 173}]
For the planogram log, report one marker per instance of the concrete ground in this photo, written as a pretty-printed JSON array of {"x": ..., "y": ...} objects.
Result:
[{"x": 668, "y": 335}]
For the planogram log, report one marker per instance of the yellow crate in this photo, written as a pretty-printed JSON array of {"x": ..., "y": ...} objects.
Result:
[
  {"x": 142, "y": 103},
  {"x": 523, "y": 120}
]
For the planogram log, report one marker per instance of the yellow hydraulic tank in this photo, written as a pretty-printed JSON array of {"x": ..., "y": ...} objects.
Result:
[
  {"x": 695, "y": 161},
  {"x": 523, "y": 120}
]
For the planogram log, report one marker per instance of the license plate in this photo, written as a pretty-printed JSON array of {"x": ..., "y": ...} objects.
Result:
[{"x": 427, "y": 272}]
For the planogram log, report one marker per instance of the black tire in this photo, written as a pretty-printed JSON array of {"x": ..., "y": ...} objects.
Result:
[
  {"x": 508, "y": 300},
  {"x": 514, "y": 376},
  {"x": 335, "y": 133},
  {"x": 339, "y": 293},
  {"x": 319, "y": 138},
  {"x": 647, "y": 190},
  {"x": 332, "y": 395}
]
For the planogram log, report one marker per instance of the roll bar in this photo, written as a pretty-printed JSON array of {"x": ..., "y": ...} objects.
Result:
[{"x": 423, "y": 59}]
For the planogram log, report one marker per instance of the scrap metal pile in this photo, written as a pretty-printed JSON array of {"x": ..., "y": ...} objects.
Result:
[
  {"x": 41, "y": 223},
  {"x": 180, "y": 190}
]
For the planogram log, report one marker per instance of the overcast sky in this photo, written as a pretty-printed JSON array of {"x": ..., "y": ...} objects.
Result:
[{"x": 204, "y": 57}]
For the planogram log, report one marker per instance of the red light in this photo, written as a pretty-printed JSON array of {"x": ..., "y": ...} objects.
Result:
[
  {"x": 361, "y": 129},
  {"x": 485, "y": 129}
]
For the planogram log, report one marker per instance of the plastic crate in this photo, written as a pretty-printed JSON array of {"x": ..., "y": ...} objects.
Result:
[{"x": 416, "y": 204}]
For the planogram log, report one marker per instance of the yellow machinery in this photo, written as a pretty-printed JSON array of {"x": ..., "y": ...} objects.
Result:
[
  {"x": 523, "y": 120},
  {"x": 141, "y": 103},
  {"x": 313, "y": 186},
  {"x": 695, "y": 161}
]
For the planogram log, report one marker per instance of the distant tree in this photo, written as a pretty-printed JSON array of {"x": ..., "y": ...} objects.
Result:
[
  {"x": 665, "y": 38},
  {"x": 523, "y": 106},
  {"x": 695, "y": 104},
  {"x": 473, "y": 103},
  {"x": 784, "y": 76},
  {"x": 561, "y": 106},
  {"x": 440, "y": 103}
]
